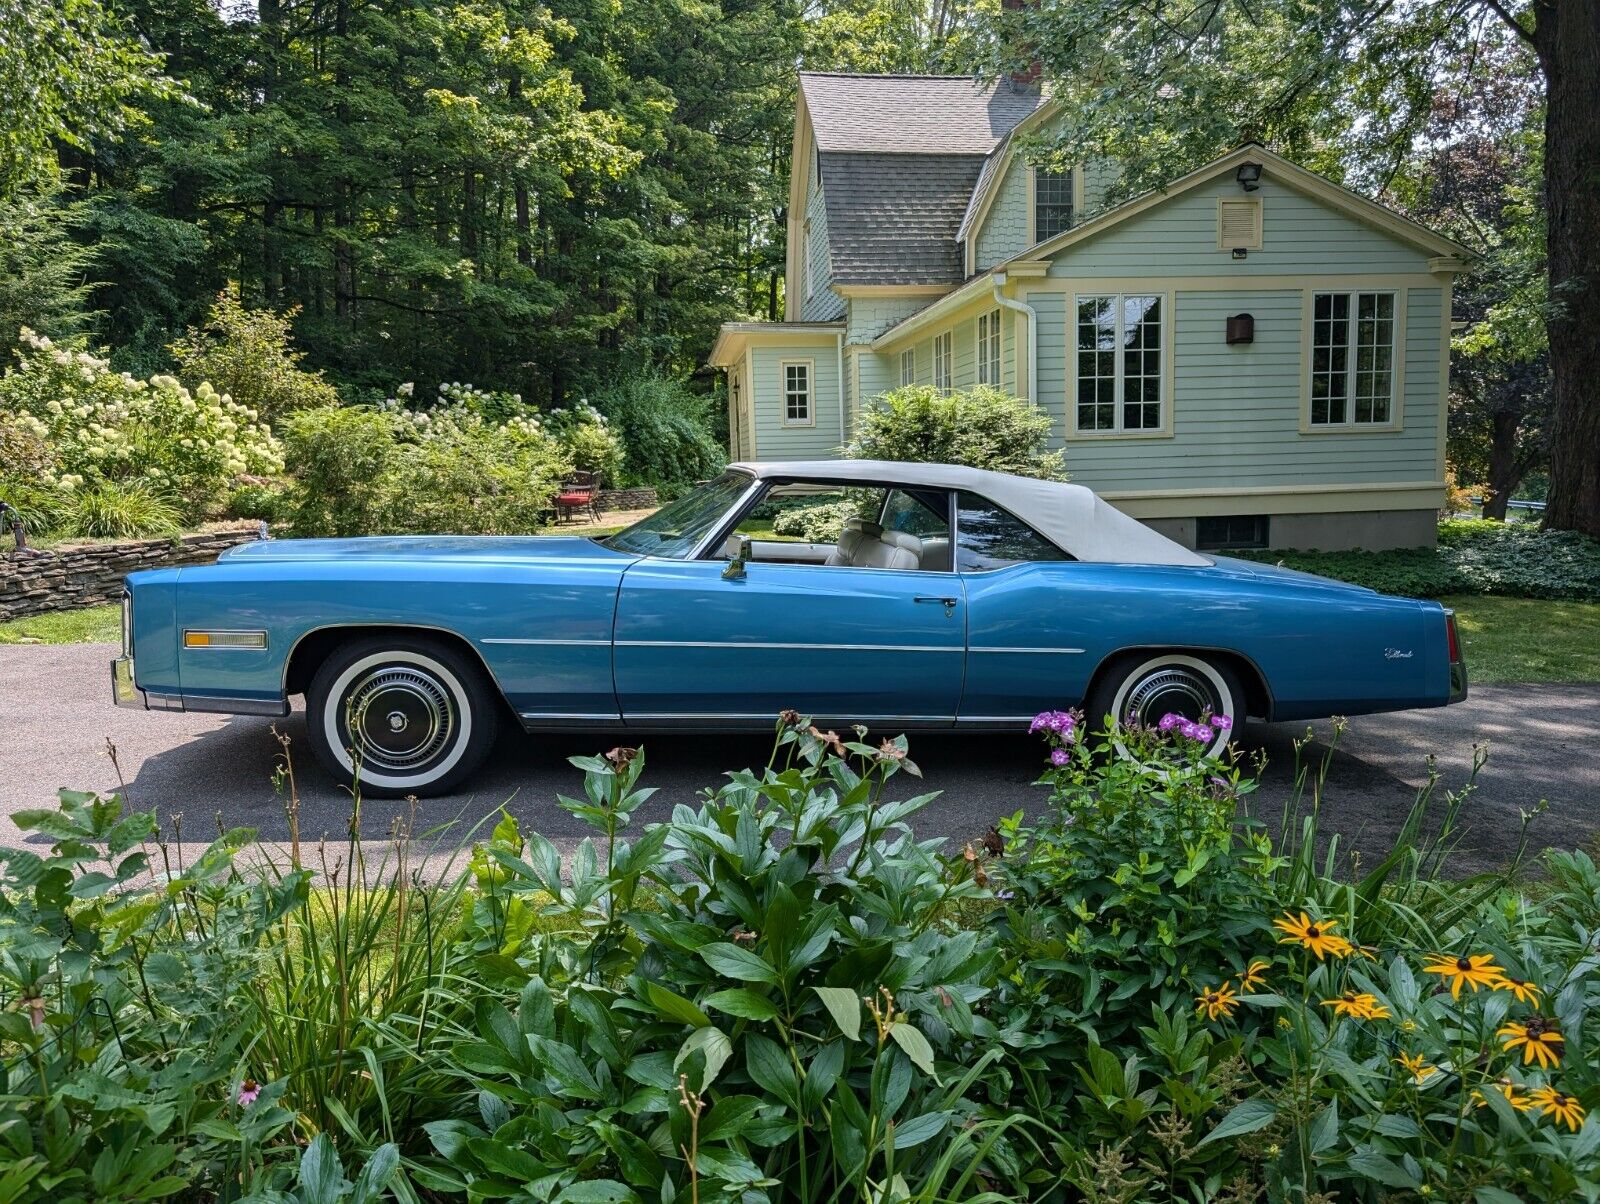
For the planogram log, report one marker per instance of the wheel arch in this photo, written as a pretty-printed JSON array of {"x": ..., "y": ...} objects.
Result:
[
  {"x": 1258, "y": 693},
  {"x": 314, "y": 647}
]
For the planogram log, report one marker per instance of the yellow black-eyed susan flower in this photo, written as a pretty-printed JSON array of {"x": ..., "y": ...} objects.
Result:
[
  {"x": 1539, "y": 1037},
  {"x": 1255, "y": 975},
  {"x": 1524, "y": 990},
  {"x": 1558, "y": 1106},
  {"x": 1515, "y": 1095},
  {"x": 1477, "y": 970},
  {"x": 1358, "y": 1004},
  {"x": 1315, "y": 935},
  {"x": 1216, "y": 1001},
  {"x": 1417, "y": 1066}
]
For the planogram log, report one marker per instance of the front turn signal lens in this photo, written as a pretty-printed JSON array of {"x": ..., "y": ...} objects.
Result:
[{"x": 224, "y": 639}]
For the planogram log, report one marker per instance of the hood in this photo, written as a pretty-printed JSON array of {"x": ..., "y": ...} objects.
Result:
[{"x": 521, "y": 549}]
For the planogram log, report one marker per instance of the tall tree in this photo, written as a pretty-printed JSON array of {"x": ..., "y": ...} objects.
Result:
[{"x": 1346, "y": 88}]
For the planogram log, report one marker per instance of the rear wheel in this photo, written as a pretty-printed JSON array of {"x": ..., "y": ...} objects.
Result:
[
  {"x": 1148, "y": 685},
  {"x": 405, "y": 716}
]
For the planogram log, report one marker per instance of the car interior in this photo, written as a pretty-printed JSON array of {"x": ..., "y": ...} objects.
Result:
[{"x": 899, "y": 528}]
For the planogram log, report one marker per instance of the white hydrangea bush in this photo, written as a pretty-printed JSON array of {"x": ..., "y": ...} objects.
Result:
[{"x": 107, "y": 426}]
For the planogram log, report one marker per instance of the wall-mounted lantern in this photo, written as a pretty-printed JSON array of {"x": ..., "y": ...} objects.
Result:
[
  {"x": 1249, "y": 176},
  {"x": 1241, "y": 329}
]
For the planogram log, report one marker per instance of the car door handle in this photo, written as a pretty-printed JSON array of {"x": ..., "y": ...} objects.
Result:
[{"x": 949, "y": 604}]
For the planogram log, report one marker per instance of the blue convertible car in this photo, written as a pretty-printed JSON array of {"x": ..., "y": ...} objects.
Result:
[{"x": 906, "y": 595}]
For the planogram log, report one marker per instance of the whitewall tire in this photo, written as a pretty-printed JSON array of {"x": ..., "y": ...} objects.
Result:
[
  {"x": 403, "y": 716},
  {"x": 1148, "y": 685}
]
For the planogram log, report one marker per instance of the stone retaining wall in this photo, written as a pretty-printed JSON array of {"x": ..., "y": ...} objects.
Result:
[
  {"x": 90, "y": 574},
  {"x": 627, "y": 499}
]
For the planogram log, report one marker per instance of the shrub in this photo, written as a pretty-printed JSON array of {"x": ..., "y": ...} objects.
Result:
[
  {"x": 665, "y": 430},
  {"x": 118, "y": 510},
  {"x": 266, "y": 500},
  {"x": 247, "y": 354},
  {"x": 589, "y": 441},
  {"x": 817, "y": 524},
  {"x": 360, "y": 471},
  {"x": 106, "y": 427},
  {"x": 1475, "y": 556},
  {"x": 981, "y": 428}
]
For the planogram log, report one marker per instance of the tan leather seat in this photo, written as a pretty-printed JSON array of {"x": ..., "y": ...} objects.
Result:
[
  {"x": 855, "y": 530},
  {"x": 863, "y": 544}
]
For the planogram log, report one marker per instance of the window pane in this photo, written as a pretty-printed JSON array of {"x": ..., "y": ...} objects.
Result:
[
  {"x": 991, "y": 538},
  {"x": 1052, "y": 203},
  {"x": 1330, "y": 358}
]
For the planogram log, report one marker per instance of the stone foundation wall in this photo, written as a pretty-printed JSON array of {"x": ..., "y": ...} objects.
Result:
[
  {"x": 63, "y": 578},
  {"x": 627, "y": 499}
]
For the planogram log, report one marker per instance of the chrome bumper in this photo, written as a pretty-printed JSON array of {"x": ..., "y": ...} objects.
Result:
[{"x": 123, "y": 692}]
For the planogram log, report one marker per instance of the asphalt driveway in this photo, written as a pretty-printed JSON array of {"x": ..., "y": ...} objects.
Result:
[{"x": 56, "y": 718}]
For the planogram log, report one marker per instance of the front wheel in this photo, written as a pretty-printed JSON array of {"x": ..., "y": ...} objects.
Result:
[
  {"x": 1147, "y": 685},
  {"x": 401, "y": 716}
]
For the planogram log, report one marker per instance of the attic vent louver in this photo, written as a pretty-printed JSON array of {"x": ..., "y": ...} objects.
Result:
[{"x": 1239, "y": 224}]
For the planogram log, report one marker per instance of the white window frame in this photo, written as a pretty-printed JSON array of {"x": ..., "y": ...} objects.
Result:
[
  {"x": 1255, "y": 206},
  {"x": 987, "y": 349},
  {"x": 943, "y": 369},
  {"x": 1075, "y": 186},
  {"x": 784, "y": 392},
  {"x": 1397, "y": 361},
  {"x": 1163, "y": 429},
  {"x": 908, "y": 367}
]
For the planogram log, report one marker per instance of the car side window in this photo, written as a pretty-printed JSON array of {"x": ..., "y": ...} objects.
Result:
[{"x": 988, "y": 538}]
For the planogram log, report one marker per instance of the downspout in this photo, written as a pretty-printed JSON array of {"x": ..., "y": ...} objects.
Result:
[
  {"x": 1033, "y": 333},
  {"x": 839, "y": 351}
]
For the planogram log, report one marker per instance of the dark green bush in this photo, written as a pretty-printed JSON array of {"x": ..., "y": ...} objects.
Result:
[
  {"x": 666, "y": 431},
  {"x": 980, "y": 427},
  {"x": 1474, "y": 556}
]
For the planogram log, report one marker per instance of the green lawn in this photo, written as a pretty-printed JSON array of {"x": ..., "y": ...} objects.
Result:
[
  {"x": 1527, "y": 639},
  {"x": 1507, "y": 639},
  {"x": 91, "y": 625}
]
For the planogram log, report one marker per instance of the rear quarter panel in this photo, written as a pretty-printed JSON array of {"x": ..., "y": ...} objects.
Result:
[{"x": 1323, "y": 648}]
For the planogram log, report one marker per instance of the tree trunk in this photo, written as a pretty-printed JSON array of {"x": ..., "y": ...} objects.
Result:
[
  {"x": 1567, "y": 37},
  {"x": 1505, "y": 469},
  {"x": 520, "y": 188}
]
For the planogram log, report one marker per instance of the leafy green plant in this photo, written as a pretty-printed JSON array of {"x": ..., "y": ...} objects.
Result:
[
  {"x": 818, "y": 524},
  {"x": 118, "y": 510},
  {"x": 589, "y": 440},
  {"x": 1474, "y": 556},
  {"x": 666, "y": 431},
  {"x": 979, "y": 427},
  {"x": 248, "y": 355}
]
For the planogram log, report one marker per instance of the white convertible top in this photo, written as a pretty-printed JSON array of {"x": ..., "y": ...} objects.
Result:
[{"x": 1073, "y": 517}]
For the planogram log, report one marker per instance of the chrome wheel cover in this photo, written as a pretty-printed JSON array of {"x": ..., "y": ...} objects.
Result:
[
  {"x": 399, "y": 717},
  {"x": 1170, "y": 689}
]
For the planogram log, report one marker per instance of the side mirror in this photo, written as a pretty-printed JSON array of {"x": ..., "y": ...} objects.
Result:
[{"x": 740, "y": 557}]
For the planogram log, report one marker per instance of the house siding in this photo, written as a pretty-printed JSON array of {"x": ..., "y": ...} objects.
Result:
[
  {"x": 868, "y": 317},
  {"x": 775, "y": 441},
  {"x": 1237, "y": 410},
  {"x": 820, "y": 302},
  {"x": 1179, "y": 238},
  {"x": 1005, "y": 233}
]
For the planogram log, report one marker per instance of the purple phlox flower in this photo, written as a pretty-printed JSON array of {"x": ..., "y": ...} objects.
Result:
[
  {"x": 249, "y": 1090},
  {"x": 1171, "y": 720},
  {"x": 1060, "y": 723},
  {"x": 1204, "y": 733},
  {"x": 1059, "y": 757},
  {"x": 1221, "y": 722}
]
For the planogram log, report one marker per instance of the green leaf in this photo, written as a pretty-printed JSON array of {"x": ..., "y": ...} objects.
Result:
[
  {"x": 1325, "y": 1128},
  {"x": 920, "y": 1129},
  {"x": 1246, "y": 1117},
  {"x": 845, "y": 1007},
  {"x": 728, "y": 1117},
  {"x": 597, "y": 1191},
  {"x": 909, "y": 1038},
  {"x": 1385, "y": 1170},
  {"x": 322, "y": 1179},
  {"x": 744, "y": 1003},
  {"x": 713, "y": 1044},
  {"x": 771, "y": 1069},
  {"x": 375, "y": 1176},
  {"x": 733, "y": 962},
  {"x": 672, "y": 1006}
]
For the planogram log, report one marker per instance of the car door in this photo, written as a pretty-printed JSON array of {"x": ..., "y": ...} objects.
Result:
[
  {"x": 1035, "y": 617},
  {"x": 846, "y": 644}
]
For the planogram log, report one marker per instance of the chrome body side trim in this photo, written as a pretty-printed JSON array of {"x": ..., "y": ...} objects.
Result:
[
  {"x": 1033, "y": 651},
  {"x": 803, "y": 647},
  {"x": 556, "y": 643}
]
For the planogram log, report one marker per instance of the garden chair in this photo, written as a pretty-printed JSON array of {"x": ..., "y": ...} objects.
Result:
[{"x": 580, "y": 491}]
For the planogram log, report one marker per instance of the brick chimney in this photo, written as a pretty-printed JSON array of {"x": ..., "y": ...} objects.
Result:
[{"x": 1024, "y": 77}]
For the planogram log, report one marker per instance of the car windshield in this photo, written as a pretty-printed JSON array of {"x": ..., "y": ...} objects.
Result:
[{"x": 675, "y": 530}]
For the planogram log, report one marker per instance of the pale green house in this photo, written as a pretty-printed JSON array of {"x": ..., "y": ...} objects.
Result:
[{"x": 1252, "y": 357}]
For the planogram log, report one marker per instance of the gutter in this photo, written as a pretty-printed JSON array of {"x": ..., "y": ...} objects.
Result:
[
  {"x": 839, "y": 364},
  {"x": 1016, "y": 306}
]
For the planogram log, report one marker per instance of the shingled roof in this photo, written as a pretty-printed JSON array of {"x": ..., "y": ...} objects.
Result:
[
  {"x": 913, "y": 114},
  {"x": 892, "y": 219},
  {"x": 899, "y": 157}
]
